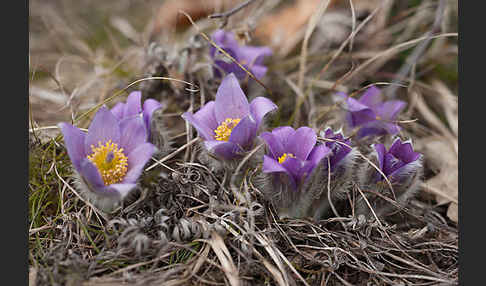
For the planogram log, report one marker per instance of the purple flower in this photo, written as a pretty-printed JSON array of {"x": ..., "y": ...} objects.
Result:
[
  {"x": 250, "y": 57},
  {"x": 399, "y": 161},
  {"x": 133, "y": 108},
  {"x": 293, "y": 152},
  {"x": 339, "y": 151},
  {"x": 111, "y": 156},
  {"x": 229, "y": 124},
  {"x": 375, "y": 116}
]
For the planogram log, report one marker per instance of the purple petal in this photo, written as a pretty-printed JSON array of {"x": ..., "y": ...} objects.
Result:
[
  {"x": 224, "y": 40},
  {"x": 371, "y": 97},
  {"x": 275, "y": 146},
  {"x": 230, "y": 102},
  {"x": 224, "y": 149},
  {"x": 259, "y": 107},
  {"x": 230, "y": 68},
  {"x": 104, "y": 127},
  {"x": 254, "y": 55},
  {"x": 374, "y": 128},
  {"x": 137, "y": 160},
  {"x": 244, "y": 133},
  {"x": 380, "y": 151},
  {"x": 206, "y": 115},
  {"x": 391, "y": 128},
  {"x": 133, "y": 105},
  {"x": 301, "y": 142},
  {"x": 91, "y": 175},
  {"x": 360, "y": 117},
  {"x": 283, "y": 133},
  {"x": 358, "y": 113},
  {"x": 74, "y": 140},
  {"x": 391, "y": 164},
  {"x": 270, "y": 165},
  {"x": 339, "y": 150},
  {"x": 315, "y": 157},
  {"x": 258, "y": 71},
  {"x": 318, "y": 153},
  {"x": 117, "y": 110},
  {"x": 149, "y": 106},
  {"x": 389, "y": 110},
  {"x": 294, "y": 167},
  {"x": 404, "y": 151},
  {"x": 133, "y": 133},
  {"x": 204, "y": 120}
]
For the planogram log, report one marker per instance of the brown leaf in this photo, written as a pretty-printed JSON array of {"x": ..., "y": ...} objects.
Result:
[
  {"x": 441, "y": 157},
  {"x": 169, "y": 19},
  {"x": 453, "y": 212},
  {"x": 280, "y": 29}
]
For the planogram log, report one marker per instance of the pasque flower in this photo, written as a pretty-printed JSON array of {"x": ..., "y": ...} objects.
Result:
[
  {"x": 293, "y": 152},
  {"x": 110, "y": 157},
  {"x": 340, "y": 147},
  {"x": 397, "y": 162},
  {"x": 229, "y": 124},
  {"x": 133, "y": 107},
  {"x": 403, "y": 169},
  {"x": 371, "y": 113},
  {"x": 250, "y": 57}
]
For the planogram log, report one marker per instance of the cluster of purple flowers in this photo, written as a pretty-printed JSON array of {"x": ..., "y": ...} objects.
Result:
[{"x": 110, "y": 157}]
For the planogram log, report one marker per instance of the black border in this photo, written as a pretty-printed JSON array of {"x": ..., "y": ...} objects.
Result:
[{"x": 15, "y": 166}]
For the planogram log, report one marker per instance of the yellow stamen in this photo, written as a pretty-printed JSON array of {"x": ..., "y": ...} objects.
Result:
[
  {"x": 223, "y": 132},
  {"x": 284, "y": 157},
  {"x": 110, "y": 161},
  {"x": 378, "y": 117}
]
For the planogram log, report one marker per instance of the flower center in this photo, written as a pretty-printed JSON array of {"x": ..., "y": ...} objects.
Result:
[
  {"x": 110, "y": 161},
  {"x": 284, "y": 157},
  {"x": 223, "y": 132}
]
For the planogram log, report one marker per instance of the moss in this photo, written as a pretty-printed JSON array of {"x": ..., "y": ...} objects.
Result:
[{"x": 44, "y": 184}]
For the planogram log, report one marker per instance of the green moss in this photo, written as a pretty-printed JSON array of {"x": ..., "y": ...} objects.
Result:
[{"x": 44, "y": 184}]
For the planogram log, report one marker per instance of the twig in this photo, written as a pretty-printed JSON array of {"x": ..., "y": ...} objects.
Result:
[
  {"x": 227, "y": 14},
  {"x": 171, "y": 155}
]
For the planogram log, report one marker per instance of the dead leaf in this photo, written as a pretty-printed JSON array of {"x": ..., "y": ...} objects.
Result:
[
  {"x": 449, "y": 103},
  {"x": 286, "y": 27},
  {"x": 169, "y": 19},
  {"x": 224, "y": 256},
  {"x": 453, "y": 212},
  {"x": 441, "y": 157}
]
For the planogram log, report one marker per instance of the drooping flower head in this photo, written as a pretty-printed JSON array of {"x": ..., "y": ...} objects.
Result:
[
  {"x": 339, "y": 150},
  {"x": 111, "y": 156},
  {"x": 229, "y": 124},
  {"x": 133, "y": 107},
  {"x": 399, "y": 161},
  {"x": 293, "y": 152},
  {"x": 250, "y": 57},
  {"x": 371, "y": 113}
]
